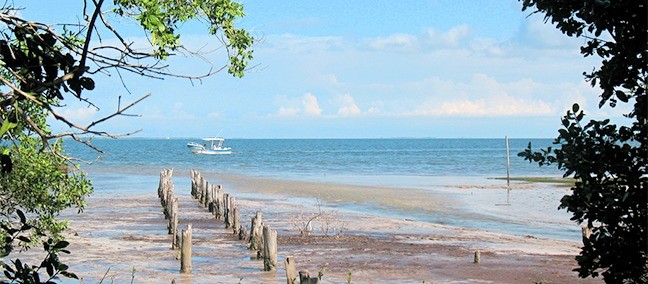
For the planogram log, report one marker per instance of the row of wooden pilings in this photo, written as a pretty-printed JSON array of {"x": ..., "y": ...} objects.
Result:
[
  {"x": 169, "y": 203},
  {"x": 223, "y": 207}
]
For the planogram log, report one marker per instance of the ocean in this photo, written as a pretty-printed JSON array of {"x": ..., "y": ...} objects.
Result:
[
  {"x": 356, "y": 160},
  {"x": 132, "y": 166}
]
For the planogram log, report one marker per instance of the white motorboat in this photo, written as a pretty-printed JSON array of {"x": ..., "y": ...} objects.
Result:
[{"x": 215, "y": 147}]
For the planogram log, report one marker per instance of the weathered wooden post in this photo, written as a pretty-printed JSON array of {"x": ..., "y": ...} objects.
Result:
[
  {"x": 177, "y": 240},
  {"x": 256, "y": 233},
  {"x": 229, "y": 217},
  {"x": 291, "y": 270},
  {"x": 201, "y": 191},
  {"x": 185, "y": 251},
  {"x": 173, "y": 215},
  {"x": 305, "y": 278},
  {"x": 226, "y": 204},
  {"x": 242, "y": 233},
  {"x": 160, "y": 187},
  {"x": 477, "y": 258},
  {"x": 208, "y": 195},
  {"x": 211, "y": 197},
  {"x": 220, "y": 208},
  {"x": 168, "y": 200},
  {"x": 203, "y": 195},
  {"x": 269, "y": 249},
  {"x": 174, "y": 234},
  {"x": 193, "y": 182},
  {"x": 236, "y": 220},
  {"x": 205, "y": 198}
]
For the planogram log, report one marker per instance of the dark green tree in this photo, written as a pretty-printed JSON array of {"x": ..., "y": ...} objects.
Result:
[
  {"x": 44, "y": 64},
  {"x": 608, "y": 160}
]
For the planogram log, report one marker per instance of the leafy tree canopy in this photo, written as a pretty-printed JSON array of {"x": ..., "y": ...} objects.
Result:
[
  {"x": 42, "y": 65},
  {"x": 608, "y": 160}
]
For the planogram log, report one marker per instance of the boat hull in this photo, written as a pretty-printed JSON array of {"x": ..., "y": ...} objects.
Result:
[
  {"x": 210, "y": 152},
  {"x": 201, "y": 149}
]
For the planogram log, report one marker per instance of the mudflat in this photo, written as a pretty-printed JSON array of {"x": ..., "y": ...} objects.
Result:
[{"x": 123, "y": 238}]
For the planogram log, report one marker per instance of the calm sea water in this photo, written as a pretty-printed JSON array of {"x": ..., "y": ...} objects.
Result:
[
  {"x": 133, "y": 166},
  {"x": 315, "y": 159}
]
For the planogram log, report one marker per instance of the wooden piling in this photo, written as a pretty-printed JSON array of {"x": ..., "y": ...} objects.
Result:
[
  {"x": 185, "y": 251},
  {"x": 177, "y": 240},
  {"x": 219, "y": 202},
  {"x": 269, "y": 249},
  {"x": 305, "y": 278},
  {"x": 229, "y": 223},
  {"x": 173, "y": 214},
  {"x": 204, "y": 192},
  {"x": 236, "y": 220},
  {"x": 210, "y": 198},
  {"x": 201, "y": 192},
  {"x": 226, "y": 204},
  {"x": 174, "y": 235},
  {"x": 477, "y": 258},
  {"x": 194, "y": 183},
  {"x": 242, "y": 233},
  {"x": 291, "y": 270},
  {"x": 173, "y": 222},
  {"x": 256, "y": 232}
]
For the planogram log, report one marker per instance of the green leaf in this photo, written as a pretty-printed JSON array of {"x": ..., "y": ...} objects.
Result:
[
  {"x": 622, "y": 96},
  {"x": 21, "y": 215},
  {"x": 6, "y": 125},
  {"x": 50, "y": 269},
  {"x": 69, "y": 275},
  {"x": 24, "y": 239},
  {"x": 575, "y": 108},
  {"x": 61, "y": 244}
]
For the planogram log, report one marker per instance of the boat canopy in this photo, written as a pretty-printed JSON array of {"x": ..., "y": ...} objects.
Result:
[{"x": 213, "y": 139}]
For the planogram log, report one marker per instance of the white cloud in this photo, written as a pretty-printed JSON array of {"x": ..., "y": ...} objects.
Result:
[
  {"x": 495, "y": 106},
  {"x": 482, "y": 96},
  {"x": 451, "y": 38},
  {"x": 307, "y": 105},
  {"x": 348, "y": 107},
  {"x": 488, "y": 46},
  {"x": 288, "y": 111},
  {"x": 398, "y": 42},
  {"x": 82, "y": 115},
  {"x": 311, "y": 107}
]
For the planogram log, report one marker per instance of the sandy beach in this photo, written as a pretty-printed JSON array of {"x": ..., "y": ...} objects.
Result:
[{"x": 119, "y": 238}]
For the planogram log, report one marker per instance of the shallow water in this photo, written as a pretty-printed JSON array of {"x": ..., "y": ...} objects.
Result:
[
  {"x": 306, "y": 159},
  {"x": 453, "y": 171}
]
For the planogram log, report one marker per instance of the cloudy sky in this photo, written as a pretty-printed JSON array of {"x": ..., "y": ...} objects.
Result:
[{"x": 361, "y": 69}]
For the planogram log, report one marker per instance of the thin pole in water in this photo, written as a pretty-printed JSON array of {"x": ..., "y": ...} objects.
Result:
[{"x": 508, "y": 170}]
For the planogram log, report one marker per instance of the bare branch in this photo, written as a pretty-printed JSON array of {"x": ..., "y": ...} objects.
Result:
[
  {"x": 91, "y": 25},
  {"x": 119, "y": 111}
]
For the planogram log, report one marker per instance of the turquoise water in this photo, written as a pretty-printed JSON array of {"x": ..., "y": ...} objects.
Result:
[
  {"x": 133, "y": 166},
  {"x": 358, "y": 160}
]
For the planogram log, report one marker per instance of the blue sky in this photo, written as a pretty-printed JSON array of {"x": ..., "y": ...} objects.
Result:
[{"x": 360, "y": 69}]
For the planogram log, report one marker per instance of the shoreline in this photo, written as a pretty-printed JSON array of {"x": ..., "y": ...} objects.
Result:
[
  {"x": 126, "y": 231},
  {"x": 472, "y": 202},
  {"x": 531, "y": 206}
]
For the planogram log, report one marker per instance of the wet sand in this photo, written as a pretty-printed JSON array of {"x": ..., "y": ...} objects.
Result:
[{"x": 121, "y": 236}]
